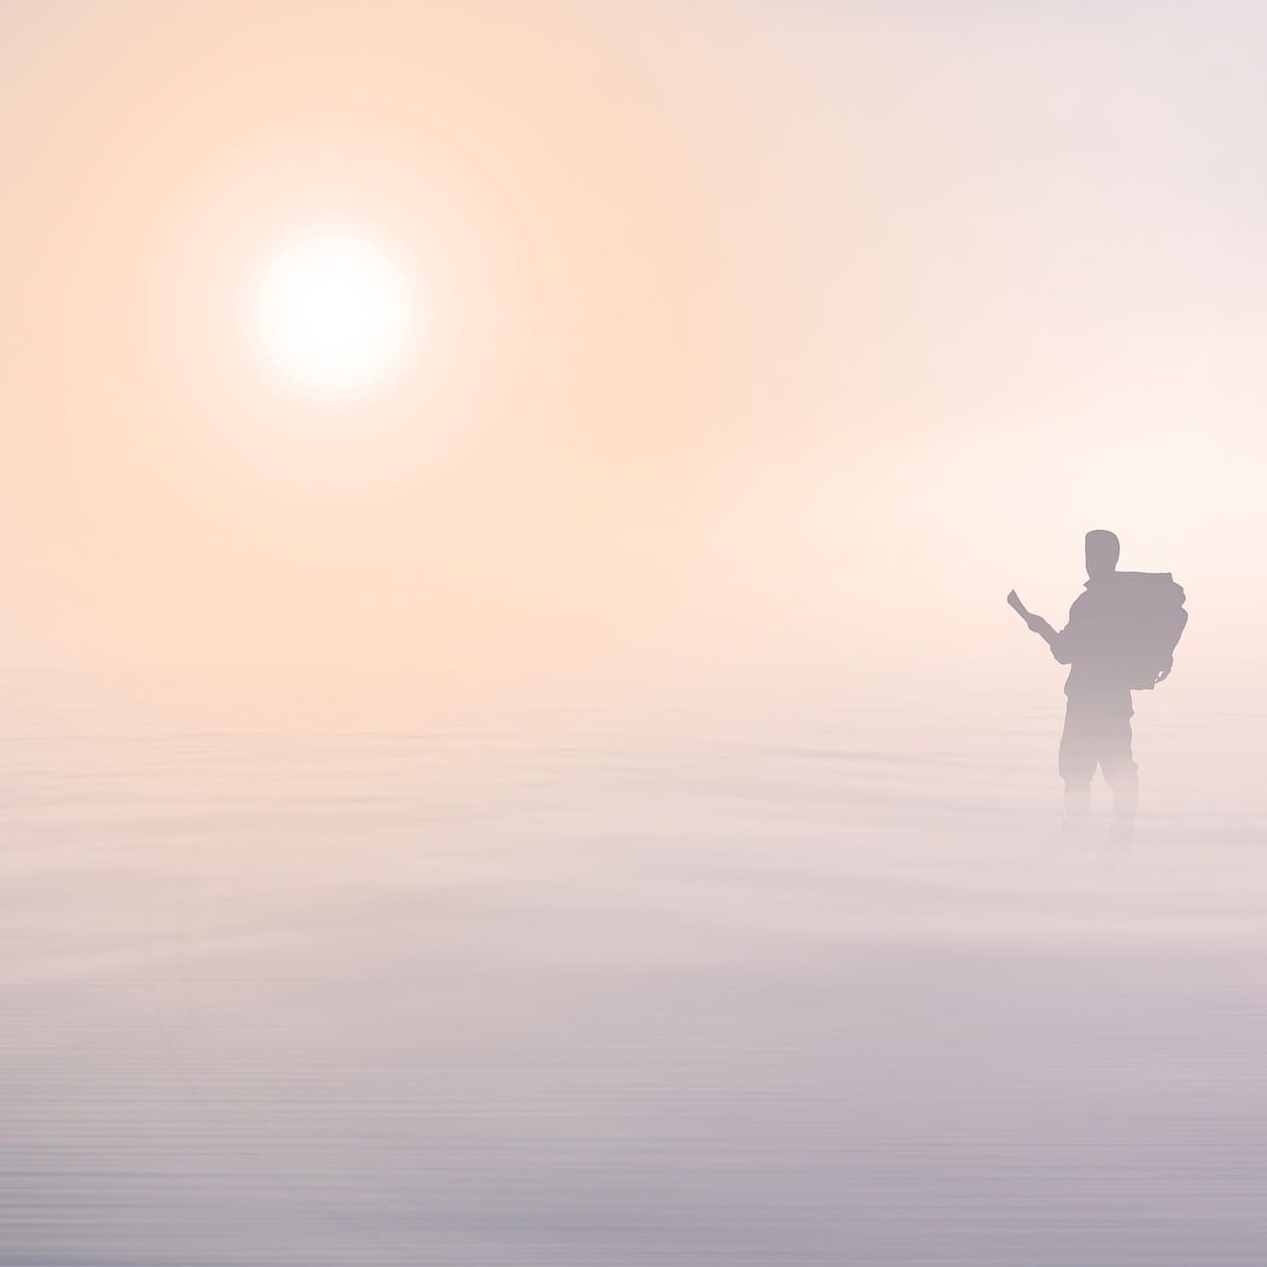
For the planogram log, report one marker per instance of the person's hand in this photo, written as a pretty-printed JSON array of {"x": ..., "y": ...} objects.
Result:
[{"x": 1014, "y": 602}]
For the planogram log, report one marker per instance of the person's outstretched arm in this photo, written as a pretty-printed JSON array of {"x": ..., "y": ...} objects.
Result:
[
  {"x": 1036, "y": 623},
  {"x": 1060, "y": 644}
]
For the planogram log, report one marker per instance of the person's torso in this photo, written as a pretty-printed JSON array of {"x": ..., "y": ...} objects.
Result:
[{"x": 1102, "y": 643}]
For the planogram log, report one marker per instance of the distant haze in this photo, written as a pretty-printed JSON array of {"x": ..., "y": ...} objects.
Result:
[{"x": 771, "y": 340}]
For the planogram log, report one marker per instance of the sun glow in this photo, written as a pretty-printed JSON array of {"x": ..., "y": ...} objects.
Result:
[{"x": 333, "y": 315}]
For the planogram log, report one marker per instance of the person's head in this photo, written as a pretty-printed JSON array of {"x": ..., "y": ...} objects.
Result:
[{"x": 1103, "y": 549}]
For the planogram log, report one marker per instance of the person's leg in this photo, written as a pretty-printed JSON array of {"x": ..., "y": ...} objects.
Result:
[
  {"x": 1077, "y": 764},
  {"x": 1118, "y": 764}
]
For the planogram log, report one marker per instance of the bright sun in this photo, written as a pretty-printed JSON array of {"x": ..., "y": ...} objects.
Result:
[{"x": 333, "y": 315}]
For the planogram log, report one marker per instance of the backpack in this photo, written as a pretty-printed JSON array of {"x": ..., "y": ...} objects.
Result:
[{"x": 1150, "y": 617}]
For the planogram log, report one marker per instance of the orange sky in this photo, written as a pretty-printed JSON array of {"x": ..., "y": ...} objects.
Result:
[{"x": 765, "y": 336}]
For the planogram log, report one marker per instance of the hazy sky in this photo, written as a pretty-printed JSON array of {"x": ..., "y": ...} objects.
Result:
[{"x": 767, "y": 337}]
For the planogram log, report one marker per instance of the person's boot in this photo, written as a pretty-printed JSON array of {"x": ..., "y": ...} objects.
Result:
[
  {"x": 1122, "y": 829},
  {"x": 1077, "y": 820}
]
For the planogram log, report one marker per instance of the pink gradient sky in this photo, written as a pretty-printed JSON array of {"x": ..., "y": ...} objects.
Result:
[{"x": 770, "y": 339}]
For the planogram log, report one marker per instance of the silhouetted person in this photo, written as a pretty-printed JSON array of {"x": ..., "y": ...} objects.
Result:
[{"x": 1120, "y": 637}]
